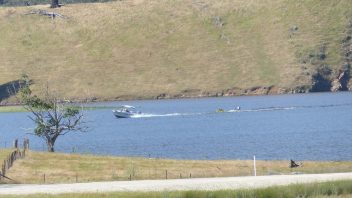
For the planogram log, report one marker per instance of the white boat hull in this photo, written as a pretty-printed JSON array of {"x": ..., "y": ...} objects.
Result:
[{"x": 119, "y": 114}]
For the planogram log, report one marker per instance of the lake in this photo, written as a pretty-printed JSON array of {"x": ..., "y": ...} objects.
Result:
[{"x": 301, "y": 127}]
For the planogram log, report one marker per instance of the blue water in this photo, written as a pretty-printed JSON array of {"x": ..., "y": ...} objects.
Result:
[{"x": 302, "y": 127}]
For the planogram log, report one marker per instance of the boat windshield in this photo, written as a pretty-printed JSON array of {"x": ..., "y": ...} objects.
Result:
[{"x": 126, "y": 108}]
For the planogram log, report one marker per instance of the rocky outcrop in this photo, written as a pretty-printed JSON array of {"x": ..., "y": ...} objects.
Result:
[
  {"x": 342, "y": 81},
  {"x": 347, "y": 50},
  {"x": 321, "y": 78},
  {"x": 335, "y": 85},
  {"x": 325, "y": 79},
  {"x": 235, "y": 91}
]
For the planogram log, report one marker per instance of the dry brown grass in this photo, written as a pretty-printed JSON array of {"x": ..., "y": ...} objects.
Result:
[
  {"x": 63, "y": 168},
  {"x": 4, "y": 153},
  {"x": 140, "y": 48}
]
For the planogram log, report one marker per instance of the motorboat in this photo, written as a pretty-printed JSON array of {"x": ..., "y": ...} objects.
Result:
[
  {"x": 125, "y": 111},
  {"x": 237, "y": 109},
  {"x": 220, "y": 110}
]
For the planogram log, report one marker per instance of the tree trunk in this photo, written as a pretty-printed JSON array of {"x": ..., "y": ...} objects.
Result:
[
  {"x": 50, "y": 144},
  {"x": 54, "y": 3}
]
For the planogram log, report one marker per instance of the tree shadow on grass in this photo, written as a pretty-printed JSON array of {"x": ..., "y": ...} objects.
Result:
[{"x": 10, "y": 89}]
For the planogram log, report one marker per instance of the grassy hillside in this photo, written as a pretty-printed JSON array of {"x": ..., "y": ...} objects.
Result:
[
  {"x": 36, "y": 2},
  {"x": 143, "y": 49}
]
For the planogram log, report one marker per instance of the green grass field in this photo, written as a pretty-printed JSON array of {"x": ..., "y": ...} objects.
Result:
[
  {"x": 140, "y": 49},
  {"x": 10, "y": 109},
  {"x": 339, "y": 189}
]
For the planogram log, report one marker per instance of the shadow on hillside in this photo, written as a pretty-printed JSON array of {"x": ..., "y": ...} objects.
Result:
[{"x": 9, "y": 89}]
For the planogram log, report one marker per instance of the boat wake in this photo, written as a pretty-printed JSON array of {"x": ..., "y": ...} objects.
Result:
[
  {"x": 262, "y": 109},
  {"x": 287, "y": 108},
  {"x": 146, "y": 115}
]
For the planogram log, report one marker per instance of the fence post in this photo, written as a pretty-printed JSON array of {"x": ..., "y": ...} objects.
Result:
[
  {"x": 130, "y": 177},
  {"x": 26, "y": 144},
  {"x": 165, "y": 174},
  {"x": 4, "y": 168},
  {"x": 44, "y": 177},
  {"x": 254, "y": 166},
  {"x": 15, "y": 143},
  {"x": 190, "y": 175},
  {"x": 8, "y": 162}
]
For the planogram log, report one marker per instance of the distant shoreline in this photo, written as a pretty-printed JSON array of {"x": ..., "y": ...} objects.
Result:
[{"x": 16, "y": 107}]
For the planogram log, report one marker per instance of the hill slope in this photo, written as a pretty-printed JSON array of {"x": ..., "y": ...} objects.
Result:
[
  {"x": 147, "y": 49},
  {"x": 36, "y": 2}
]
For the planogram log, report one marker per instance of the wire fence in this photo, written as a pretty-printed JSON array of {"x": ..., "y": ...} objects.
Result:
[{"x": 13, "y": 156}]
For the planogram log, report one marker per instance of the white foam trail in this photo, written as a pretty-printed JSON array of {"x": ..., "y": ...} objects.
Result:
[
  {"x": 145, "y": 115},
  {"x": 263, "y": 109}
]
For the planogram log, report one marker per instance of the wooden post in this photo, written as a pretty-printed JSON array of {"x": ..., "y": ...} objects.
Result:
[
  {"x": 26, "y": 144},
  {"x": 4, "y": 168},
  {"x": 76, "y": 178},
  {"x": 180, "y": 176},
  {"x": 130, "y": 177},
  {"x": 8, "y": 162},
  {"x": 44, "y": 177},
  {"x": 165, "y": 174},
  {"x": 190, "y": 175},
  {"x": 254, "y": 166},
  {"x": 15, "y": 143}
]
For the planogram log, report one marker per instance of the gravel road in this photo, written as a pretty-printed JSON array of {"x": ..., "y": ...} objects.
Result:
[{"x": 173, "y": 184}]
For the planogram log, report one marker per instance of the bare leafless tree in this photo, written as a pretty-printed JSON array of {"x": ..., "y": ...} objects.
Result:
[{"x": 53, "y": 118}]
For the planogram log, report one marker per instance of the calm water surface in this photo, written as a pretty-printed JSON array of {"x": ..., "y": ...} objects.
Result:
[{"x": 302, "y": 127}]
